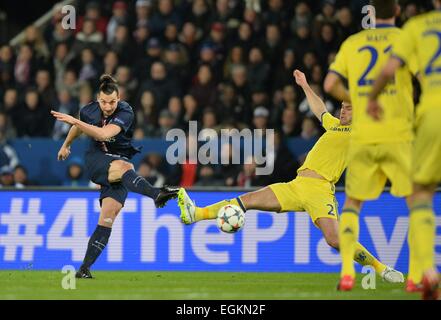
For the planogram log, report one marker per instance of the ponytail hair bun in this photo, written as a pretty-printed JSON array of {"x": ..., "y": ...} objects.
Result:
[{"x": 108, "y": 84}]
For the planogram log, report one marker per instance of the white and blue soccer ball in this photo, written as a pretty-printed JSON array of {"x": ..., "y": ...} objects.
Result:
[{"x": 230, "y": 218}]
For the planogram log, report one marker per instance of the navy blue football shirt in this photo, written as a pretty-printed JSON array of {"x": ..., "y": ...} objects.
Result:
[{"x": 121, "y": 144}]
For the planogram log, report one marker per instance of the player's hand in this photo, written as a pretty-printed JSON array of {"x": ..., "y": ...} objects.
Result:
[
  {"x": 375, "y": 110},
  {"x": 63, "y": 153},
  {"x": 300, "y": 78},
  {"x": 64, "y": 117}
]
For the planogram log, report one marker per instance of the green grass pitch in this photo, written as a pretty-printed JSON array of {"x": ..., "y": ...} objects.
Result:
[{"x": 191, "y": 285}]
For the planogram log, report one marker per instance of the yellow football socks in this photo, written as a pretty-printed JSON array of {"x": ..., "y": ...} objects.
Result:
[
  {"x": 348, "y": 235},
  {"x": 210, "y": 212},
  {"x": 365, "y": 258},
  {"x": 415, "y": 273},
  {"x": 422, "y": 226}
]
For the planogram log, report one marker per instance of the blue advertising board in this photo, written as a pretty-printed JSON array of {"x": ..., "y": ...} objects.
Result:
[{"x": 45, "y": 230}]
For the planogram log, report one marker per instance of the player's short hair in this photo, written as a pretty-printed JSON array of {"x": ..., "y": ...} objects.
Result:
[
  {"x": 108, "y": 84},
  {"x": 384, "y": 9}
]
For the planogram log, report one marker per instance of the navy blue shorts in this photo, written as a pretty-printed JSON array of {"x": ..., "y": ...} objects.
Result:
[{"x": 97, "y": 165}]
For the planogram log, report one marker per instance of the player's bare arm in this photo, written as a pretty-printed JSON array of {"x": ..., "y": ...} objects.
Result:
[
  {"x": 316, "y": 104},
  {"x": 64, "y": 152},
  {"x": 374, "y": 109},
  {"x": 100, "y": 134},
  {"x": 334, "y": 86}
]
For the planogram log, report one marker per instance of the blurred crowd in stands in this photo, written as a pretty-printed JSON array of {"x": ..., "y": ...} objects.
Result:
[{"x": 223, "y": 63}]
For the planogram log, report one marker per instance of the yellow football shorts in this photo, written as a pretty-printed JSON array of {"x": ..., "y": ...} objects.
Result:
[
  {"x": 315, "y": 196},
  {"x": 427, "y": 150},
  {"x": 370, "y": 165}
]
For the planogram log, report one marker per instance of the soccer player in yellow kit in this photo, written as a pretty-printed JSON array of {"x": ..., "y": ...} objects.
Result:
[
  {"x": 312, "y": 190},
  {"x": 421, "y": 36},
  {"x": 378, "y": 150}
]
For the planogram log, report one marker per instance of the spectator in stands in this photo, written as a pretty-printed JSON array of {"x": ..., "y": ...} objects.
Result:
[
  {"x": 119, "y": 17},
  {"x": 93, "y": 12},
  {"x": 75, "y": 170},
  {"x": 345, "y": 23},
  {"x": 288, "y": 100},
  {"x": 122, "y": 44},
  {"x": 61, "y": 62},
  {"x": 229, "y": 171},
  {"x": 7, "y": 130},
  {"x": 153, "y": 176},
  {"x": 85, "y": 96},
  {"x": 235, "y": 58},
  {"x": 258, "y": 71},
  {"x": 166, "y": 122},
  {"x": 21, "y": 177},
  {"x": 166, "y": 14},
  {"x": 290, "y": 123},
  {"x": 7, "y": 178},
  {"x": 6, "y": 59},
  {"x": 10, "y": 105},
  {"x": 189, "y": 37},
  {"x": 146, "y": 115},
  {"x": 230, "y": 107},
  {"x": 285, "y": 165},
  {"x": 176, "y": 109},
  {"x": 161, "y": 86},
  {"x": 247, "y": 177},
  {"x": 326, "y": 43},
  {"x": 309, "y": 129},
  {"x": 65, "y": 105},
  {"x": 283, "y": 74},
  {"x": 89, "y": 37},
  {"x": 206, "y": 177},
  {"x": 8, "y": 156},
  {"x": 209, "y": 121},
  {"x": 143, "y": 10},
  {"x": 71, "y": 83},
  {"x": 204, "y": 89},
  {"x": 45, "y": 88},
  {"x": 24, "y": 69},
  {"x": 34, "y": 118},
  {"x": 89, "y": 70},
  {"x": 260, "y": 118},
  {"x": 200, "y": 15},
  {"x": 153, "y": 54},
  {"x": 191, "y": 110},
  {"x": 245, "y": 37},
  {"x": 176, "y": 64},
  {"x": 124, "y": 77},
  {"x": 272, "y": 46},
  {"x": 111, "y": 62},
  {"x": 241, "y": 86},
  {"x": 171, "y": 34}
]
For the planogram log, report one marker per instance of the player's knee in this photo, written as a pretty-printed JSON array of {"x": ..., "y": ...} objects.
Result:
[
  {"x": 332, "y": 241},
  {"x": 123, "y": 166}
]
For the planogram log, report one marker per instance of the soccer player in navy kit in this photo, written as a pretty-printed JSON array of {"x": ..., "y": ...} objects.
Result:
[{"x": 109, "y": 123}]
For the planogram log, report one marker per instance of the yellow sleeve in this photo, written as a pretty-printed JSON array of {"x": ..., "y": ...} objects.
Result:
[
  {"x": 405, "y": 45},
  {"x": 340, "y": 64},
  {"x": 329, "y": 121}
]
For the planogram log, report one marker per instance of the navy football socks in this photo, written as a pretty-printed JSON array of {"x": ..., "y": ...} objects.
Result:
[{"x": 135, "y": 183}]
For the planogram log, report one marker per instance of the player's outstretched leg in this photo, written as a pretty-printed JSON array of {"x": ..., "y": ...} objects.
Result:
[
  {"x": 123, "y": 171},
  {"x": 329, "y": 228},
  {"x": 262, "y": 199},
  {"x": 98, "y": 241}
]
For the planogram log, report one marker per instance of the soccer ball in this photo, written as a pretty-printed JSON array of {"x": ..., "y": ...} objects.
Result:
[{"x": 230, "y": 218}]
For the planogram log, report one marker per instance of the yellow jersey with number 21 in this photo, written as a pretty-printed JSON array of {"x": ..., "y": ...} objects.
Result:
[{"x": 360, "y": 60}]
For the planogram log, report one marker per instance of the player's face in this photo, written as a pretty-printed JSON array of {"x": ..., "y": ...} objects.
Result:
[
  {"x": 346, "y": 114},
  {"x": 108, "y": 102}
]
